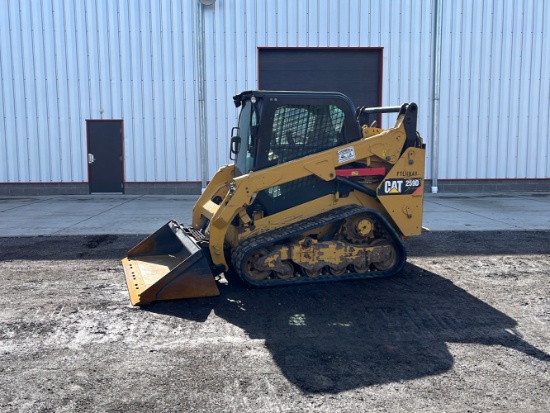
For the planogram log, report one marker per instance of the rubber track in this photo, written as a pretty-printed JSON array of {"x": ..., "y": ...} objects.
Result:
[{"x": 240, "y": 253}]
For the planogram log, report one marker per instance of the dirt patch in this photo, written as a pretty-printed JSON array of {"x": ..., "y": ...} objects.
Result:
[
  {"x": 94, "y": 241},
  {"x": 465, "y": 327}
]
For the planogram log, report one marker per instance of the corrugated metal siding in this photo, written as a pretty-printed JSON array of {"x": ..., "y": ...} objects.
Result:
[
  {"x": 495, "y": 84},
  {"x": 62, "y": 62}
]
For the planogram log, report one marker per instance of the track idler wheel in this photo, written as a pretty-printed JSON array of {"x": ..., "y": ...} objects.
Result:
[
  {"x": 390, "y": 260},
  {"x": 361, "y": 269},
  {"x": 284, "y": 271},
  {"x": 250, "y": 265},
  {"x": 337, "y": 271}
]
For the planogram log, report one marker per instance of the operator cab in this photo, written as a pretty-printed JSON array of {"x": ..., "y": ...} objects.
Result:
[{"x": 278, "y": 127}]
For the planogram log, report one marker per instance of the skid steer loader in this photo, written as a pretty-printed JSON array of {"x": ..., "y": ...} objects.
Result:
[{"x": 316, "y": 193}]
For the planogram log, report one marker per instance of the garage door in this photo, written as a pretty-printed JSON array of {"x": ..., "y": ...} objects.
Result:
[{"x": 356, "y": 72}]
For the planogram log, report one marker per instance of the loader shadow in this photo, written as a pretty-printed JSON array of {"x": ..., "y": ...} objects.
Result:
[{"x": 335, "y": 337}]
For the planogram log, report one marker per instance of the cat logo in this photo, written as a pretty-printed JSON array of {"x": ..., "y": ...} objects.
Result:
[
  {"x": 393, "y": 186},
  {"x": 411, "y": 186}
]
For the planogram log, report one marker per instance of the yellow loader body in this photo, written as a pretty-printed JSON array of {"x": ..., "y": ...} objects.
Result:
[{"x": 292, "y": 210}]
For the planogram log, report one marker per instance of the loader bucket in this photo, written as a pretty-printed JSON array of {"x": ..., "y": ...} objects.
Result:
[{"x": 168, "y": 265}]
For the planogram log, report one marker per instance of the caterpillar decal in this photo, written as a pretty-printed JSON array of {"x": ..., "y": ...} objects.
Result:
[{"x": 400, "y": 186}]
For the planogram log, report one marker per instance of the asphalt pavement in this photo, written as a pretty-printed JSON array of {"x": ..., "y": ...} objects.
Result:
[{"x": 143, "y": 214}]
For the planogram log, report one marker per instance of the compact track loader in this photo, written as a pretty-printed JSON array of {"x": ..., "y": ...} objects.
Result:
[{"x": 316, "y": 193}]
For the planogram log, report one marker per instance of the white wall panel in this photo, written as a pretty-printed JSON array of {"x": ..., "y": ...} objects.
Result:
[
  {"x": 29, "y": 109},
  {"x": 8, "y": 116},
  {"x": 134, "y": 134},
  {"x": 494, "y": 83},
  {"x": 22, "y": 144},
  {"x": 542, "y": 81},
  {"x": 4, "y": 151},
  {"x": 65, "y": 61}
]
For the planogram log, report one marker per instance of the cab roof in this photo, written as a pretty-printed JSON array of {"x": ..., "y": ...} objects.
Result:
[{"x": 238, "y": 99}]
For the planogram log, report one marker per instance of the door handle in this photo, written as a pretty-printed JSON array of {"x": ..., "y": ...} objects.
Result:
[{"x": 91, "y": 158}]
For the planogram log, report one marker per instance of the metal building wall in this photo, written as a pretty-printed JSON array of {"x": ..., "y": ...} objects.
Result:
[
  {"x": 236, "y": 28},
  {"x": 495, "y": 89},
  {"x": 65, "y": 61}
]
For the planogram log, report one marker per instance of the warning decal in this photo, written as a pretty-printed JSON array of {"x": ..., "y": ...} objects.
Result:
[{"x": 346, "y": 154}]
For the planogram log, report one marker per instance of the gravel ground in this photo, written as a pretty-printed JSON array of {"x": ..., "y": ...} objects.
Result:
[{"x": 464, "y": 328}]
